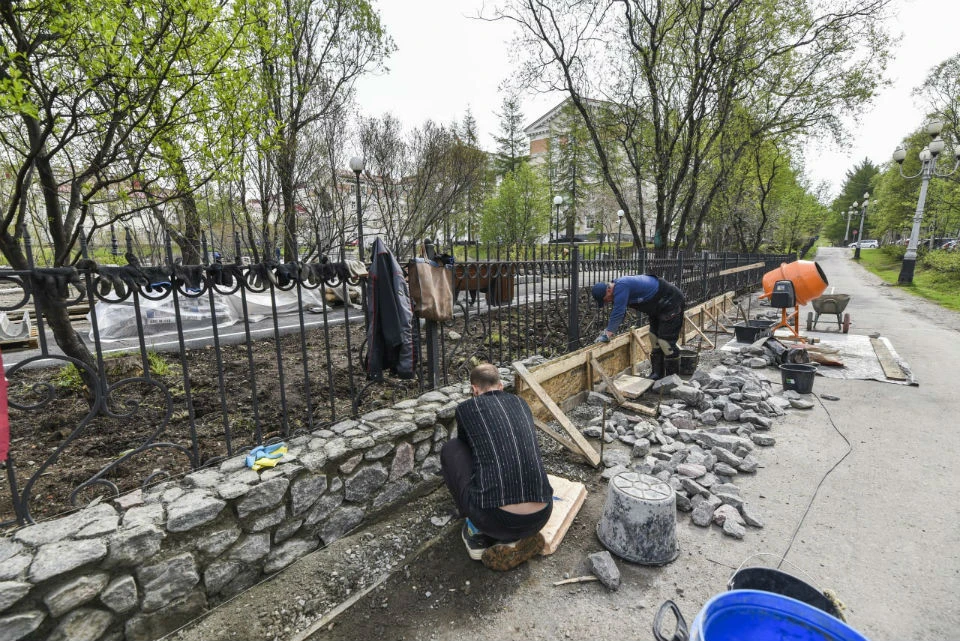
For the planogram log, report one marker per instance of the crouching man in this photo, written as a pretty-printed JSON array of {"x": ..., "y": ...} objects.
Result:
[{"x": 495, "y": 472}]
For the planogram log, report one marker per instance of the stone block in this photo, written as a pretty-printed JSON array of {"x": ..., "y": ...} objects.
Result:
[
  {"x": 9, "y": 548},
  {"x": 433, "y": 396},
  {"x": 15, "y": 567},
  {"x": 11, "y": 592},
  {"x": 54, "y": 559},
  {"x": 430, "y": 466},
  {"x": 733, "y": 529},
  {"x": 691, "y": 470},
  {"x": 121, "y": 594},
  {"x": 314, "y": 460},
  {"x": 687, "y": 393},
  {"x": 193, "y": 510},
  {"x": 285, "y": 554},
  {"x": 213, "y": 544},
  {"x": 250, "y": 548},
  {"x": 348, "y": 466},
  {"x": 749, "y": 464},
  {"x": 605, "y": 568},
  {"x": 403, "y": 461},
  {"x": 322, "y": 508},
  {"x": 361, "y": 443},
  {"x": 362, "y": 485},
  {"x": 286, "y": 530},
  {"x": 263, "y": 496},
  {"x": 152, "y": 514},
  {"x": 150, "y": 626},
  {"x": 167, "y": 581},
  {"x": 304, "y": 492},
  {"x": 378, "y": 452},
  {"x": 641, "y": 447},
  {"x": 131, "y": 546},
  {"x": 202, "y": 479},
  {"x": 219, "y": 574},
  {"x": 335, "y": 448},
  {"x": 82, "y": 625},
  {"x": 392, "y": 492},
  {"x": 74, "y": 592},
  {"x": 734, "y": 500},
  {"x": 751, "y": 515},
  {"x": 267, "y": 520},
  {"x": 763, "y": 440},
  {"x": 232, "y": 490},
  {"x": 340, "y": 522},
  {"x": 17, "y": 626},
  {"x": 667, "y": 383}
]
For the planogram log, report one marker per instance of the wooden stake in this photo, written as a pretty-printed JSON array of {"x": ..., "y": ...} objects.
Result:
[
  {"x": 584, "y": 447},
  {"x": 576, "y": 579},
  {"x": 607, "y": 380}
]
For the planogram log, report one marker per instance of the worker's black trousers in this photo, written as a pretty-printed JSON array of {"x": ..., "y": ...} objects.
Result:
[{"x": 456, "y": 466}]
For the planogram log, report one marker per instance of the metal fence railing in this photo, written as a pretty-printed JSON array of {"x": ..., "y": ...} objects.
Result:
[{"x": 140, "y": 373}]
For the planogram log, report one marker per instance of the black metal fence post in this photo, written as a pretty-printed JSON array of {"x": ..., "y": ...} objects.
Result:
[{"x": 573, "y": 321}]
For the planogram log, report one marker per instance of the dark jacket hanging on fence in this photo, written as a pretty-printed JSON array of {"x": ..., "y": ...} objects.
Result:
[{"x": 390, "y": 334}]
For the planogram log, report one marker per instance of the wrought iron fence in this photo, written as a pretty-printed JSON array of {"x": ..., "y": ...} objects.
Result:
[{"x": 138, "y": 372}]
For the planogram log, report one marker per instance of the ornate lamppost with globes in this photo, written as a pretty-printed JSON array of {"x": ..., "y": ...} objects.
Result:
[
  {"x": 863, "y": 214},
  {"x": 928, "y": 169}
]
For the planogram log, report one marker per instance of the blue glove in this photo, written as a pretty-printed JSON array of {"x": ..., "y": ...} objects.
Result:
[{"x": 602, "y": 338}]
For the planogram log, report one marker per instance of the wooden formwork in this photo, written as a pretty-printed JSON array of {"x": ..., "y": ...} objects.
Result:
[{"x": 555, "y": 387}]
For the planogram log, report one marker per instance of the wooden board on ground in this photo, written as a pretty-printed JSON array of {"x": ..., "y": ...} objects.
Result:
[
  {"x": 890, "y": 367},
  {"x": 568, "y": 499},
  {"x": 632, "y": 386}
]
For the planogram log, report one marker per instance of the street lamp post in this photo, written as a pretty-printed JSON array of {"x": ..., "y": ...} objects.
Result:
[
  {"x": 557, "y": 201},
  {"x": 846, "y": 234},
  {"x": 863, "y": 214},
  {"x": 928, "y": 169},
  {"x": 619, "y": 228},
  {"x": 356, "y": 164}
]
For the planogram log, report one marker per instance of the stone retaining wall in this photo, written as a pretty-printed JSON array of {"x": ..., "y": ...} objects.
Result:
[{"x": 140, "y": 566}]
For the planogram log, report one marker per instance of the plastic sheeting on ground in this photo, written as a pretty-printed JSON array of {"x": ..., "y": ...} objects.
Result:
[{"x": 118, "y": 320}]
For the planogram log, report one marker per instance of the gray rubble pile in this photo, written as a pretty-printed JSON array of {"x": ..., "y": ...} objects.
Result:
[{"x": 708, "y": 434}]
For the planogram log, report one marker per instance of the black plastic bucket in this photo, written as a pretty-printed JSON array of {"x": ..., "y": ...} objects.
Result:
[
  {"x": 770, "y": 580},
  {"x": 689, "y": 360},
  {"x": 752, "y": 330},
  {"x": 798, "y": 377},
  {"x": 671, "y": 364}
]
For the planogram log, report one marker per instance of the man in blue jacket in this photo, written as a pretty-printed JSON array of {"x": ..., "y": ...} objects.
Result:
[{"x": 663, "y": 302}]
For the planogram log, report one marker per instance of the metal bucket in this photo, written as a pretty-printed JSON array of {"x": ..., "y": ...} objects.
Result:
[
  {"x": 639, "y": 521},
  {"x": 689, "y": 360}
]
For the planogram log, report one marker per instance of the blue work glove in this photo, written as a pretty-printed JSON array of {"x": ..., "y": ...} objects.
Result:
[{"x": 602, "y": 338}]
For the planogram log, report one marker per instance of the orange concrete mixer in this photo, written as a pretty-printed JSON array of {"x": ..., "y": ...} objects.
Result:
[{"x": 808, "y": 282}]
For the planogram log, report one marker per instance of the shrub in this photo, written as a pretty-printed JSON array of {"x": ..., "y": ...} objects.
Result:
[{"x": 942, "y": 261}]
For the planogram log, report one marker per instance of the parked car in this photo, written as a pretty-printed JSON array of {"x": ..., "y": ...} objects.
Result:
[
  {"x": 950, "y": 246},
  {"x": 865, "y": 244}
]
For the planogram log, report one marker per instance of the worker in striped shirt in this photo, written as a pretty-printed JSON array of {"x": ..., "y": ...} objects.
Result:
[{"x": 495, "y": 472}]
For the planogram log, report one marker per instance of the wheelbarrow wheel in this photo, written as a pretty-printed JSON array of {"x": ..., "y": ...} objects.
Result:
[
  {"x": 809, "y": 321},
  {"x": 846, "y": 323}
]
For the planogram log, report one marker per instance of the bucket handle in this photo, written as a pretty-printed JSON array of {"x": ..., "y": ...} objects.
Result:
[
  {"x": 781, "y": 559},
  {"x": 680, "y": 632}
]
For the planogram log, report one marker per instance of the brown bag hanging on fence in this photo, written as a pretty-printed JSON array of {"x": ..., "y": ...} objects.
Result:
[{"x": 432, "y": 291}]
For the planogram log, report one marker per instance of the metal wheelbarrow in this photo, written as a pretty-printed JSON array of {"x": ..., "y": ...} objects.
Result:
[{"x": 830, "y": 304}]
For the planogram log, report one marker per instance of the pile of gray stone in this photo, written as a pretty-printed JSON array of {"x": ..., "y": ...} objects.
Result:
[{"x": 706, "y": 436}]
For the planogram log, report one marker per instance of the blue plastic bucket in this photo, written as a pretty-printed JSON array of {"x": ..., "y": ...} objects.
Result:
[{"x": 752, "y": 615}]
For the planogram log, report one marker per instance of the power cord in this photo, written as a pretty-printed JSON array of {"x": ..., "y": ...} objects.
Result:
[{"x": 820, "y": 484}]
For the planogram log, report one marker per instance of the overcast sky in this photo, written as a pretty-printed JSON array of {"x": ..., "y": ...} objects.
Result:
[{"x": 445, "y": 62}]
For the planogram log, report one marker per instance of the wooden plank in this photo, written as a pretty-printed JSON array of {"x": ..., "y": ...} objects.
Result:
[
  {"x": 585, "y": 448},
  {"x": 887, "y": 362},
  {"x": 696, "y": 330},
  {"x": 632, "y": 386},
  {"x": 597, "y": 369},
  {"x": 549, "y": 431},
  {"x": 638, "y": 408},
  {"x": 568, "y": 498},
  {"x": 717, "y": 323},
  {"x": 736, "y": 270}
]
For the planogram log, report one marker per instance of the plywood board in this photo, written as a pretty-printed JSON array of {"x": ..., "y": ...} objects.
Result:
[
  {"x": 890, "y": 367},
  {"x": 632, "y": 386},
  {"x": 568, "y": 498}
]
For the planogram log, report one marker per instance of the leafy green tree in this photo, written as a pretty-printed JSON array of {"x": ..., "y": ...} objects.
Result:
[
  {"x": 858, "y": 182},
  {"x": 90, "y": 92},
  {"x": 710, "y": 79},
  {"x": 519, "y": 212},
  {"x": 512, "y": 146}
]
